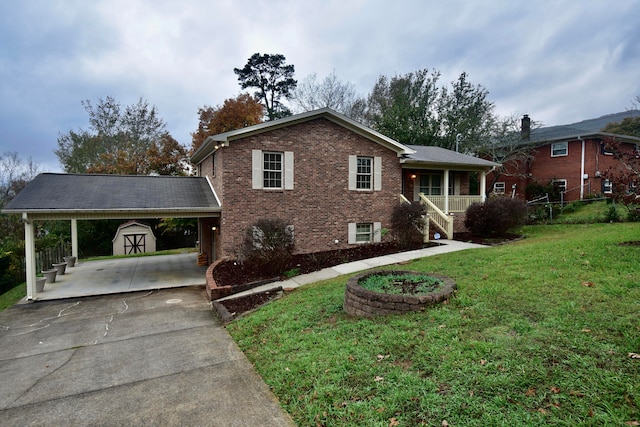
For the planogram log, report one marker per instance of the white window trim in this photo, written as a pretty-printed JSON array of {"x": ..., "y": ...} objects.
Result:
[
  {"x": 376, "y": 232},
  {"x": 607, "y": 183},
  {"x": 377, "y": 173},
  {"x": 499, "y": 187},
  {"x": 257, "y": 175},
  {"x": 563, "y": 183},
  {"x": 566, "y": 149}
]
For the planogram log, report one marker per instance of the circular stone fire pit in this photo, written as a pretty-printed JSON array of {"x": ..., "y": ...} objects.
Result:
[{"x": 359, "y": 301}]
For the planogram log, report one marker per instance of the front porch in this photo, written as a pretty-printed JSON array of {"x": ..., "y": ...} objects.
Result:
[{"x": 446, "y": 194}]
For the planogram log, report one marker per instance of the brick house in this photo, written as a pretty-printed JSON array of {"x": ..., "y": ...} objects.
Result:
[
  {"x": 571, "y": 157},
  {"x": 332, "y": 179}
]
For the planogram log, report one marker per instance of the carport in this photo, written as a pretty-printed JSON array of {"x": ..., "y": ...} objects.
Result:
[{"x": 76, "y": 197}]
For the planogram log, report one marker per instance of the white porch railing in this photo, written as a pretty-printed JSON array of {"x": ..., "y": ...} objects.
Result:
[
  {"x": 456, "y": 203},
  {"x": 443, "y": 221}
]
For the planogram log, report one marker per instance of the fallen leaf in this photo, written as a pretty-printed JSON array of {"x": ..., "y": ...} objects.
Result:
[
  {"x": 530, "y": 392},
  {"x": 393, "y": 422},
  {"x": 588, "y": 284},
  {"x": 381, "y": 409},
  {"x": 377, "y": 378},
  {"x": 543, "y": 411},
  {"x": 483, "y": 362},
  {"x": 634, "y": 355},
  {"x": 576, "y": 393},
  {"x": 632, "y": 423},
  {"x": 445, "y": 423},
  {"x": 590, "y": 413},
  {"x": 554, "y": 390},
  {"x": 586, "y": 330}
]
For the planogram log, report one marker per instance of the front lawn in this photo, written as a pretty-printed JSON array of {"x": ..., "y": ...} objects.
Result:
[{"x": 544, "y": 331}]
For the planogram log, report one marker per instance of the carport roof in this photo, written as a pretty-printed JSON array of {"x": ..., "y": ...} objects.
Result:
[{"x": 59, "y": 196}]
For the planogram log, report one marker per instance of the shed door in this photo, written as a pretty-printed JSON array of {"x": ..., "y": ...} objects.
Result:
[{"x": 134, "y": 243}]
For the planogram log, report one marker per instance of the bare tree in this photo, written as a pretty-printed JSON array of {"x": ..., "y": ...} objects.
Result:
[
  {"x": 311, "y": 94},
  {"x": 507, "y": 147},
  {"x": 15, "y": 174}
]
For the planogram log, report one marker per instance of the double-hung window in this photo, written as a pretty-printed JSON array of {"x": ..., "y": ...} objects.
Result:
[
  {"x": 364, "y": 232},
  {"x": 559, "y": 149},
  {"x": 365, "y": 173},
  {"x": 272, "y": 170},
  {"x": 498, "y": 187}
]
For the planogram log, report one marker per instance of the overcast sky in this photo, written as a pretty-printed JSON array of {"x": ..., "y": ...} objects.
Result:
[{"x": 558, "y": 61}]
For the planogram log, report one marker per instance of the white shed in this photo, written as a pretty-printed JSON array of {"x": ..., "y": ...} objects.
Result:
[{"x": 134, "y": 237}]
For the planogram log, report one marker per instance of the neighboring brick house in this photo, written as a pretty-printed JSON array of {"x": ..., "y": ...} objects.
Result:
[
  {"x": 332, "y": 179},
  {"x": 572, "y": 157}
]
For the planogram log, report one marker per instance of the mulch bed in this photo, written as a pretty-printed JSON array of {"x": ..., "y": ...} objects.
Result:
[{"x": 233, "y": 273}]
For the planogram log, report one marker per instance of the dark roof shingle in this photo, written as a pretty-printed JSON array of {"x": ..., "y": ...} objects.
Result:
[{"x": 49, "y": 191}]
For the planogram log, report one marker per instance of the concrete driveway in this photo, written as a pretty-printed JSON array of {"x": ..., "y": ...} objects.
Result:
[
  {"x": 112, "y": 276},
  {"x": 141, "y": 358}
]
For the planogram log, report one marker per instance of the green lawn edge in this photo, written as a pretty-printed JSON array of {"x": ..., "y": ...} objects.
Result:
[{"x": 541, "y": 332}]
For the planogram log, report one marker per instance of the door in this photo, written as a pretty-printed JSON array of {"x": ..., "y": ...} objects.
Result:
[{"x": 135, "y": 243}]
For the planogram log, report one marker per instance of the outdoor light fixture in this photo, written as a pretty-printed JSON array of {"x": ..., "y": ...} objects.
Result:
[
  {"x": 413, "y": 176},
  {"x": 214, "y": 228}
]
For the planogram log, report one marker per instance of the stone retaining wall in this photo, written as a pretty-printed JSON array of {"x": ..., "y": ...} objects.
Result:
[{"x": 359, "y": 301}]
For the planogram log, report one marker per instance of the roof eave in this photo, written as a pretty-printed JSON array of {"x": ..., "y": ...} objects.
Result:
[{"x": 208, "y": 146}]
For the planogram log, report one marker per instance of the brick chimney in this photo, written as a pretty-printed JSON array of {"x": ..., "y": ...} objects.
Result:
[{"x": 525, "y": 128}]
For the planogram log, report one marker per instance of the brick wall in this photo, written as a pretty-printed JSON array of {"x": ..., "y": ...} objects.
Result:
[
  {"x": 320, "y": 206},
  {"x": 545, "y": 168}
]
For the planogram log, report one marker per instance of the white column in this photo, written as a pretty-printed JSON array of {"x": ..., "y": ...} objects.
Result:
[
  {"x": 483, "y": 185},
  {"x": 74, "y": 238},
  {"x": 30, "y": 255},
  {"x": 446, "y": 191}
]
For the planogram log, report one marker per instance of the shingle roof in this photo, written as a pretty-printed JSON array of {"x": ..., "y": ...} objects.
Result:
[
  {"x": 426, "y": 154},
  {"x": 585, "y": 127},
  {"x": 88, "y": 192},
  {"x": 211, "y": 143}
]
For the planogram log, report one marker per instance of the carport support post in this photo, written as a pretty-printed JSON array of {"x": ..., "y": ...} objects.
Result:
[
  {"x": 30, "y": 255},
  {"x": 74, "y": 238},
  {"x": 483, "y": 185}
]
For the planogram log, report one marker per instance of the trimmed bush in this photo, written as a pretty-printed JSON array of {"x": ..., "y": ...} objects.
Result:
[
  {"x": 407, "y": 223},
  {"x": 495, "y": 217},
  {"x": 268, "y": 245}
]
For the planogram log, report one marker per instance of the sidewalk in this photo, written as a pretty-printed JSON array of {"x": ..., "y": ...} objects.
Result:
[{"x": 445, "y": 246}]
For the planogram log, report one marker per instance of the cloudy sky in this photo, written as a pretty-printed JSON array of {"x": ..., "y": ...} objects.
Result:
[{"x": 560, "y": 61}]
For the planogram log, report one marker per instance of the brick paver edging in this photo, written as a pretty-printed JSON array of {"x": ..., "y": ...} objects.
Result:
[{"x": 359, "y": 301}]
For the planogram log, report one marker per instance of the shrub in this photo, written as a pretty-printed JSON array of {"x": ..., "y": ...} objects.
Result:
[
  {"x": 407, "y": 223},
  {"x": 495, "y": 217},
  {"x": 634, "y": 214},
  {"x": 612, "y": 214},
  {"x": 268, "y": 245}
]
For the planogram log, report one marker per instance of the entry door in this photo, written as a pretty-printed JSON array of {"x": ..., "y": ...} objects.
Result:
[{"x": 134, "y": 243}]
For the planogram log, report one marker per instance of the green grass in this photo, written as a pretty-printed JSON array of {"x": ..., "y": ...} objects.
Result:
[
  {"x": 539, "y": 333},
  {"x": 388, "y": 283},
  {"x": 12, "y": 296},
  {"x": 585, "y": 212}
]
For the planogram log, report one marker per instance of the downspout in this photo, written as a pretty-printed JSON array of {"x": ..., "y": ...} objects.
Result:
[{"x": 582, "y": 168}]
